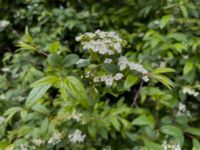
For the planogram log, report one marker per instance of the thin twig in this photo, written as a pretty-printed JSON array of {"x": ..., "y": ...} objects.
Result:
[
  {"x": 42, "y": 53},
  {"x": 137, "y": 95}
]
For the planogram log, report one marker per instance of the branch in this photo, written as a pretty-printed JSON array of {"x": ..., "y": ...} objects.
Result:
[{"x": 134, "y": 103}]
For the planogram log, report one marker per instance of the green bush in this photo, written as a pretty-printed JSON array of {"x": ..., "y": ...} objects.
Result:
[{"x": 67, "y": 85}]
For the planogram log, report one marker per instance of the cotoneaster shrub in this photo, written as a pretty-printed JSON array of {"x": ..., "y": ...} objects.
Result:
[{"x": 159, "y": 34}]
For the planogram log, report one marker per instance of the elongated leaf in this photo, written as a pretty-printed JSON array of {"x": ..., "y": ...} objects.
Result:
[
  {"x": 41, "y": 109},
  {"x": 188, "y": 67},
  {"x": 164, "y": 21},
  {"x": 36, "y": 93},
  {"x": 194, "y": 131},
  {"x": 11, "y": 112},
  {"x": 144, "y": 120},
  {"x": 130, "y": 81},
  {"x": 163, "y": 79},
  {"x": 162, "y": 70},
  {"x": 45, "y": 80},
  {"x": 152, "y": 146}
]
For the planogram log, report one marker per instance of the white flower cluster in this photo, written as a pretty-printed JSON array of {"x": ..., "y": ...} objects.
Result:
[
  {"x": 182, "y": 111},
  {"x": 171, "y": 145},
  {"x": 4, "y": 23},
  {"x": 104, "y": 43},
  {"x": 109, "y": 79},
  {"x": 108, "y": 60},
  {"x": 190, "y": 91},
  {"x": 1, "y": 119},
  {"x": 77, "y": 137},
  {"x": 76, "y": 116},
  {"x": 38, "y": 142},
  {"x": 123, "y": 63},
  {"x": 56, "y": 138},
  {"x": 26, "y": 146}
]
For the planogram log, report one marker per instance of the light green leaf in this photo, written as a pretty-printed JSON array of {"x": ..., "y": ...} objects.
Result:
[
  {"x": 162, "y": 70},
  {"x": 188, "y": 67},
  {"x": 196, "y": 144},
  {"x": 144, "y": 120},
  {"x": 164, "y": 21},
  {"x": 163, "y": 79},
  {"x": 130, "y": 81},
  {"x": 36, "y": 93},
  {"x": 54, "y": 47},
  {"x": 45, "y": 80},
  {"x": 184, "y": 11}
]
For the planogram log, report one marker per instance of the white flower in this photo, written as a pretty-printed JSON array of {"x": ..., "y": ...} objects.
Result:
[
  {"x": 5, "y": 69},
  {"x": 107, "y": 60},
  {"x": 108, "y": 79},
  {"x": 38, "y": 142},
  {"x": 77, "y": 137},
  {"x": 118, "y": 76},
  {"x": 145, "y": 79},
  {"x": 1, "y": 120},
  {"x": 56, "y": 138},
  {"x": 190, "y": 91},
  {"x": 76, "y": 116},
  {"x": 101, "y": 42},
  {"x": 137, "y": 67},
  {"x": 182, "y": 111},
  {"x": 4, "y": 23},
  {"x": 122, "y": 62},
  {"x": 171, "y": 145}
]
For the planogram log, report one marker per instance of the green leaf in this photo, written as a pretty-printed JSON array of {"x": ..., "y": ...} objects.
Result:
[
  {"x": 70, "y": 60},
  {"x": 130, "y": 81},
  {"x": 54, "y": 47},
  {"x": 45, "y": 80},
  {"x": 11, "y": 112},
  {"x": 184, "y": 11},
  {"x": 164, "y": 21},
  {"x": 152, "y": 146},
  {"x": 110, "y": 68},
  {"x": 196, "y": 144},
  {"x": 41, "y": 109},
  {"x": 188, "y": 67},
  {"x": 173, "y": 131},
  {"x": 162, "y": 70},
  {"x": 194, "y": 131},
  {"x": 54, "y": 60},
  {"x": 144, "y": 120},
  {"x": 36, "y": 93},
  {"x": 163, "y": 79}
]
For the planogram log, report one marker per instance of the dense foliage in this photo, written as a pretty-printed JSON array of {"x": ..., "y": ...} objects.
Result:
[{"x": 100, "y": 75}]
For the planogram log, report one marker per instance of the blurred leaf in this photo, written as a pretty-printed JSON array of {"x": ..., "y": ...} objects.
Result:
[
  {"x": 45, "y": 80},
  {"x": 187, "y": 67},
  {"x": 194, "y": 131},
  {"x": 152, "y": 146},
  {"x": 54, "y": 47},
  {"x": 162, "y": 70},
  {"x": 70, "y": 59},
  {"x": 130, "y": 81},
  {"x": 164, "y": 21}
]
